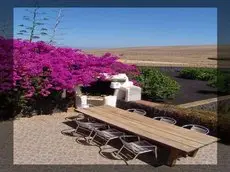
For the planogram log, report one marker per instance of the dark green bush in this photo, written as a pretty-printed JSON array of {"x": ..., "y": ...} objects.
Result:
[
  {"x": 222, "y": 82},
  {"x": 216, "y": 78},
  {"x": 204, "y": 74},
  {"x": 13, "y": 104},
  {"x": 156, "y": 84}
]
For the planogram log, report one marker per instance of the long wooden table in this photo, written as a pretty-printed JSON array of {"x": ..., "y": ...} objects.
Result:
[{"x": 180, "y": 141}]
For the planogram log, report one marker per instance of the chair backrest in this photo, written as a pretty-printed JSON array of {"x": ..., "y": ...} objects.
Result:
[
  {"x": 83, "y": 124},
  {"x": 197, "y": 128},
  {"x": 166, "y": 119},
  {"x": 80, "y": 116},
  {"x": 139, "y": 111},
  {"x": 131, "y": 145},
  {"x": 100, "y": 132},
  {"x": 124, "y": 142}
]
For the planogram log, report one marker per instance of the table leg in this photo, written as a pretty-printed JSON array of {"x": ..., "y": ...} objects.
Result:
[
  {"x": 172, "y": 157},
  {"x": 193, "y": 154}
]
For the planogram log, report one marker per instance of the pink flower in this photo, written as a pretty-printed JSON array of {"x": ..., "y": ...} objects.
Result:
[{"x": 39, "y": 68}]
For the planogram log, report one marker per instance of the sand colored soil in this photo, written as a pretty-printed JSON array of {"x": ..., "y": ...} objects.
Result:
[{"x": 183, "y": 56}]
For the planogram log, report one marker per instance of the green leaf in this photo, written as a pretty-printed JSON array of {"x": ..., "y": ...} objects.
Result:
[{"x": 156, "y": 84}]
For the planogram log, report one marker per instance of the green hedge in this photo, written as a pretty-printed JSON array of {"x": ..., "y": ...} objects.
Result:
[
  {"x": 216, "y": 78},
  {"x": 157, "y": 85},
  {"x": 204, "y": 74},
  {"x": 221, "y": 82}
]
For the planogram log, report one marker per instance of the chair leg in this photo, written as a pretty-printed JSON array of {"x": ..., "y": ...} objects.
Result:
[
  {"x": 93, "y": 137},
  {"x": 155, "y": 153},
  {"x": 76, "y": 129},
  {"x": 88, "y": 137},
  {"x": 103, "y": 146},
  {"x": 135, "y": 156},
  {"x": 88, "y": 119},
  {"x": 91, "y": 132},
  {"x": 106, "y": 142},
  {"x": 120, "y": 150}
]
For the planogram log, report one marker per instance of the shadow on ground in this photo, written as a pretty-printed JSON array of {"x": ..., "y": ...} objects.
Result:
[
  {"x": 208, "y": 92},
  {"x": 112, "y": 148}
]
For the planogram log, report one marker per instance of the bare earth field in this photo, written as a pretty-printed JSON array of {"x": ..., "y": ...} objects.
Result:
[{"x": 182, "y": 56}]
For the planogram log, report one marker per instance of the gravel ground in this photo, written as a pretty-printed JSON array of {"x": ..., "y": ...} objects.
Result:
[{"x": 38, "y": 140}]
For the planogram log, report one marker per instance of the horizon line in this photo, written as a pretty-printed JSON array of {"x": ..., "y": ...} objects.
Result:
[{"x": 192, "y": 45}]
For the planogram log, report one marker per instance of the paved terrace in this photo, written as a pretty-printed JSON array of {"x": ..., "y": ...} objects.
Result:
[{"x": 38, "y": 140}]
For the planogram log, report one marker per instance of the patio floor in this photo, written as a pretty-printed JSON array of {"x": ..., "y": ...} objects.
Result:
[{"x": 38, "y": 140}]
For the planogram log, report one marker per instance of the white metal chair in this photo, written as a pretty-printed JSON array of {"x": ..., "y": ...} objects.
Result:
[
  {"x": 136, "y": 147},
  {"x": 166, "y": 119},
  {"x": 107, "y": 134},
  {"x": 197, "y": 128},
  {"x": 139, "y": 111},
  {"x": 89, "y": 126}
]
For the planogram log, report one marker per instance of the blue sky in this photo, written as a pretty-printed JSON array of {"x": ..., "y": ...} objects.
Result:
[{"x": 130, "y": 27}]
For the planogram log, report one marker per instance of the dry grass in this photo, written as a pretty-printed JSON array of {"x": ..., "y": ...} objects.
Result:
[{"x": 196, "y": 56}]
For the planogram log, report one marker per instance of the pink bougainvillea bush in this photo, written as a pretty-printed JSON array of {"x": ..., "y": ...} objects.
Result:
[{"x": 37, "y": 68}]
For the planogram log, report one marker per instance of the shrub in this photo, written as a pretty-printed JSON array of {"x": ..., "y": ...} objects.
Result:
[
  {"x": 216, "y": 78},
  {"x": 204, "y": 74},
  {"x": 11, "y": 104},
  {"x": 221, "y": 82},
  {"x": 156, "y": 84}
]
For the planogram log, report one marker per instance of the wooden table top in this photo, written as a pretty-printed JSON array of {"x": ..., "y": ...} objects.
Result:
[{"x": 166, "y": 134}]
